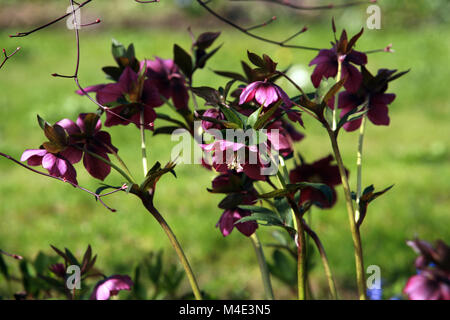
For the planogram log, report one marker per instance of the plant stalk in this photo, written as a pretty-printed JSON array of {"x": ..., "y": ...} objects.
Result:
[
  {"x": 359, "y": 167},
  {"x": 143, "y": 147},
  {"x": 351, "y": 216},
  {"x": 265, "y": 274}
]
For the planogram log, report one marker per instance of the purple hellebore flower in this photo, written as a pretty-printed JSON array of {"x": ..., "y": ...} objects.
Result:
[
  {"x": 58, "y": 165},
  {"x": 320, "y": 171},
  {"x": 165, "y": 75},
  {"x": 87, "y": 134},
  {"x": 377, "y": 108},
  {"x": 425, "y": 286},
  {"x": 227, "y": 155},
  {"x": 371, "y": 92},
  {"x": 141, "y": 95},
  {"x": 58, "y": 269},
  {"x": 229, "y": 217},
  {"x": 327, "y": 63},
  {"x": 265, "y": 93},
  {"x": 215, "y": 114},
  {"x": 111, "y": 286}
]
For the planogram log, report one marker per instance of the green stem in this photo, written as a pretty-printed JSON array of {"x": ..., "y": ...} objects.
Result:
[
  {"x": 265, "y": 275},
  {"x": 301, "y": 247},
  {"x": 338, "y": 78},
  {"x": 301, "y": 250},
  {"x": 351, "y": 216},
  {"x": 324, "y": 258},
  {"x": 359, "y": 167},
  {"x": 175, "y": 244},
  {"x": 143, "y": 147},
  {"x": 116, "y": 155}
]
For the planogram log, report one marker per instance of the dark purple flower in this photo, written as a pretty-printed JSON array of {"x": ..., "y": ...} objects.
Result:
[
  {"x": 58, "y": 164},
  {"x": 425, "y": 286},
  {"x": 433, "y": 267},
  {"x": 111, "y": 286},
  {"x": 165, "y": 75},
  {"x": 134, "y": 93},
  {"x": 58, "y": 269},
  {"x": 372, "y": 95},
  {"x": 214, "y": 114},
  {"x": 230, "y": 216},
  {"x": 320, "y": 171},
  {"x": 228, "y": 155},
  {"x": 86, "y": 134},
  {"x": 327, "y": 63},
  {"x": 265, "y": 93}
]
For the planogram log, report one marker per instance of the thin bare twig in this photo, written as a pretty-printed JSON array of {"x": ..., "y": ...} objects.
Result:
[
  {"x": 8, "y": 56},
  {"x": 97, "y": 196},
  {"x": 247, "y": 32},
  {"x": 287, "y": 3},
  {"x": 24, "y": 34},
  {"x": 12, "y": 255}
]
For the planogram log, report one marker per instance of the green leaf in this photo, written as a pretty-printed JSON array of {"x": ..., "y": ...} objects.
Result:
[
  {"x": 284, "y": 267},
  {"x": 259, "y": 124},
  {"x": 3, "y": 267},
  {"x": 263, "y": 219},
  {"x": 254, "y": 117},
  {"x": 86, "y": 259},
  {"x": 183, "y": 60},
  {"x": 232, "y": 116},
  {"x": 367, "y": 197},
  {"x": 42, "y": 122},
  {"x": 118, "y": 49}
]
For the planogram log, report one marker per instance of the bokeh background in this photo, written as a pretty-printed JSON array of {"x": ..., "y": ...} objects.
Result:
[{"x": 412, "y": 153}]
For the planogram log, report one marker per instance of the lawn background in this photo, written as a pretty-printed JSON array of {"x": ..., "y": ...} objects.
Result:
[{"x": 412, "y": 153}]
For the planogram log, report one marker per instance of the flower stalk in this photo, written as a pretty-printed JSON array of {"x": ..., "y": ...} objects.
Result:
[
  {"x": 359, "y": 167},
  {"x": 265, "y": 275},
  {"x": 351, "y": 216}
]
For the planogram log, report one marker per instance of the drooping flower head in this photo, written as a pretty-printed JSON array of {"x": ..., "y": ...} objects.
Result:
[
  {"x": 166, "y": 76},
  {"x": 372, "y": 95},
  {"x": 265, "y": 93},
  {"x": 133, "y": 93},
  {"x": 87, "y": 135},
  {"x": 320, "y": 171},
  {"x": 55, "y": 155},
  {"x": 240, "y": 192},
  {"x": 327, "y": 62},
  {"x": 111, "y": 287},
  {"x": 433, "y": 265}
]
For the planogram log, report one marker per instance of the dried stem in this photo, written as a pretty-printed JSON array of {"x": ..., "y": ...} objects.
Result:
[
  {"x": 8, "y": 56},
  {"x": 97, "y": 196},
  {"x": 247, "y": 32},
  {"x": 288, "y": 4}
]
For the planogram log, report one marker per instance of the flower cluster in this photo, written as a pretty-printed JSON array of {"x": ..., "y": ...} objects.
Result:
[{"x": 432, "y": 281}]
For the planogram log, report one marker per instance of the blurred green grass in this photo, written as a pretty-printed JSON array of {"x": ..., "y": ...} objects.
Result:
[{"x": 412, "y": 153}]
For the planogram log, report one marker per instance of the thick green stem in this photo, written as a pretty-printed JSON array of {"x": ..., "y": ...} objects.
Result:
[
  {"x": 175, "y": 244},
  {"x": 359, "y": 167},
  {"x": 351, "y": 216},
  {"x": 265, "y": 274},
  {"x": 338, "y": 78},
  {"x": 143, "y": 147}
]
